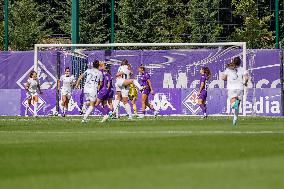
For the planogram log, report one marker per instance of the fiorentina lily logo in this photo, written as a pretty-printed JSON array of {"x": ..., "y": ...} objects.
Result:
[
  {"x": 191, "y": 102},
  {"x": 41, "y": 103},
  {"x": 46, "y": 79}
]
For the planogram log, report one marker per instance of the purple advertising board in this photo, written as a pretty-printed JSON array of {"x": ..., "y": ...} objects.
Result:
[{"x": 174, "y": 75}]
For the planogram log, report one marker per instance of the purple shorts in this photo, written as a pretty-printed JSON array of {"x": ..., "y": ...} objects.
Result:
[
  {"x": 146, "y": 91},
  {"x": 103, "y": 94},
  {"x": 203, "y": 95},
  {"x": 110, "y": 94}
]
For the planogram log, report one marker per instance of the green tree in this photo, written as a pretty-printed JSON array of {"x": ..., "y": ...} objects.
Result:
[
  {"x": 1, "y": 36},
  {"x": 167, "y": 21},
  {"x": 255, "y": 31},
  {"x": 93, "y": 17},
  {"x": 26, "y": 25}
]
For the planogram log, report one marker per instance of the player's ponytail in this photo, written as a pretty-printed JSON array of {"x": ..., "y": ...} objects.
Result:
[{"x": 207, "y": 72}]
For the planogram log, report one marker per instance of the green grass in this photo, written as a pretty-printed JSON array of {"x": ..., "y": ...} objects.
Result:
[{"x": 167, "y": 152}]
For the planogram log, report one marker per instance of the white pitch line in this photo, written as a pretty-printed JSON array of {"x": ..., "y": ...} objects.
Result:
[{"x": 143, "y": 132}]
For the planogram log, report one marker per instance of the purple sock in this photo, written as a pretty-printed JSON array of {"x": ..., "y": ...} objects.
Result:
[
  {"x": 101, "y": 109},
  {"x": 203, "y": 108}
]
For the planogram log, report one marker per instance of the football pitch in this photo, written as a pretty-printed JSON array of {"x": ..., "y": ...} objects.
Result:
[{"x": 166, "y": 152}]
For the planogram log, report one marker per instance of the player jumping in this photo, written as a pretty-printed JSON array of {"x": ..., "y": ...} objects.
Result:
[
  {"x": 122, "y": 84},
  {"x": 237, "y": 78}
]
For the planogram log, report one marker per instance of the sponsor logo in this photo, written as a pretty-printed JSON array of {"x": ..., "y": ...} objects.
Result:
[
  {"x": 191, "y": 102},
  {"x": 161, "y": 101}
]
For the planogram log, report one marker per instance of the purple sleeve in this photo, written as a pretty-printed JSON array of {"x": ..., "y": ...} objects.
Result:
[
  {"x": 203, "y": 79},
  {"x": 147, "y": 76}
]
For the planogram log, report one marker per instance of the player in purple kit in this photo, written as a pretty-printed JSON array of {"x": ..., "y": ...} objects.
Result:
[
  {"x": 146, "y": 83},
  {"x": 202, "y": 93},
  {"x": 110, "y": 87}
]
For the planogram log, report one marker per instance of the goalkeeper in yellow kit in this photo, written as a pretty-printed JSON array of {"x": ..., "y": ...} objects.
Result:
[{"x": 133, "y": 95}]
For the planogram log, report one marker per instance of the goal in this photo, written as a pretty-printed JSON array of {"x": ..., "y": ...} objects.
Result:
[{"x": 174, "y": 69}]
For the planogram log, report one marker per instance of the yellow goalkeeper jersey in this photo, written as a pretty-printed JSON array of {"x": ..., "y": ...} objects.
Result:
[{"x": 133, "y": 91}]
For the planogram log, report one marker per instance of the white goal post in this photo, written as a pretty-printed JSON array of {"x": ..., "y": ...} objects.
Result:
[{"x": 242, "y": 45}]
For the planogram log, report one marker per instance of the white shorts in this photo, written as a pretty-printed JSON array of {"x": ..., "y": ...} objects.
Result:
[
  {"x": 117, "y": 89},
  {"x": 90, "y": 95},
  {"x": 66, "y": 93},
  {"x": 119, "y": 82},
  {"x": 30, "y": 95},
  {"x": 235, "y": 93},
  {"x": 125, "y": 92}
]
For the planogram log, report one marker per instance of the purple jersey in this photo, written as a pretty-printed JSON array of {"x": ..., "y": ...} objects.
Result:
[
  {"x": 144, "y": 82},
  {"x": 204, "y": 78},
  {"x": 203, "y": 93}
]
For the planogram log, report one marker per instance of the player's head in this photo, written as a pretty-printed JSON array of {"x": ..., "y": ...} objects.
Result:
[
  {"x": 96, "y": 64},
  {"x": 107, "y": 68},
  {"x": 236, "y": 62},
  {"x": 67, "y": 71},
  {"x": 102, "y": 65},
  {"x": 33, "y": 74},
  {"x": 141, "y": 68},
  {"x": 205, "y": 70},
  {"x": 124, "y": 62}
]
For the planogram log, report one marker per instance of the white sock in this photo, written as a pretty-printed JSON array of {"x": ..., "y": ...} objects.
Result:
[
  {"x": 115, "y": 105},
  {"x": 128, "y": 109},
  {"x": 35, "y": 108},
  {"x": 88, "y": 112},
  {"x": 137, "y": 84},
  {"x": 26, "y": 110},
  {"x": 236, "y": 114}
]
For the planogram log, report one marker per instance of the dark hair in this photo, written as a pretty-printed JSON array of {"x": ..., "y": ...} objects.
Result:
[
  {"x": 142, "y": 67},
  {"x": 124, "y": 62},
  {"x": 207, "y": 72},
  {"x": 67, "y": 68},
  {"x": 107, "y": 68},
  {"x": 236, "y": 62},
  {"x": 32, "y": 73},
  {"x": 96, "y": 64}
]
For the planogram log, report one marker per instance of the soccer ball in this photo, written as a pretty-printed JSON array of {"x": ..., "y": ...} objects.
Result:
[{"x": 55, "y": 113}]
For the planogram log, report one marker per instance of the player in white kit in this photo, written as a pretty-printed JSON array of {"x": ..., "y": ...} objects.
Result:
[
  {"x": 236, "y": 77},
  {"x": 32, "y": 87},
  {"x": 68, "y": 82},
  {"x": 122, "y": 86},
  {"x": 94, "y": 78}
]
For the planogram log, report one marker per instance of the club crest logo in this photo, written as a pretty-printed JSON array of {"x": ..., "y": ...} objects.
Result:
[
  {"x": 46, "y": 79},
  {"x": 41, "y": 103},
  {"x": 191, "y": 102}
]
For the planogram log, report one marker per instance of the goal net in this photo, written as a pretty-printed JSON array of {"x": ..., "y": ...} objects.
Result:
[{"x": 173, "y": 67}]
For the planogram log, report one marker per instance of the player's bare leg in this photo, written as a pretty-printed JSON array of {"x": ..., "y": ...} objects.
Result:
[{"x": 35, "y": 99}]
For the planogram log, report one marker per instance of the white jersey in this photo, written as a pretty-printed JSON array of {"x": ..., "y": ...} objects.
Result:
[
  {"x": 33, "y": 85},
  {"x": 125, "y": 70},
  {"x": 67, "y": 82},
  {"x": 235, "y": 78},
  {"x": 93, "y": 78}
]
